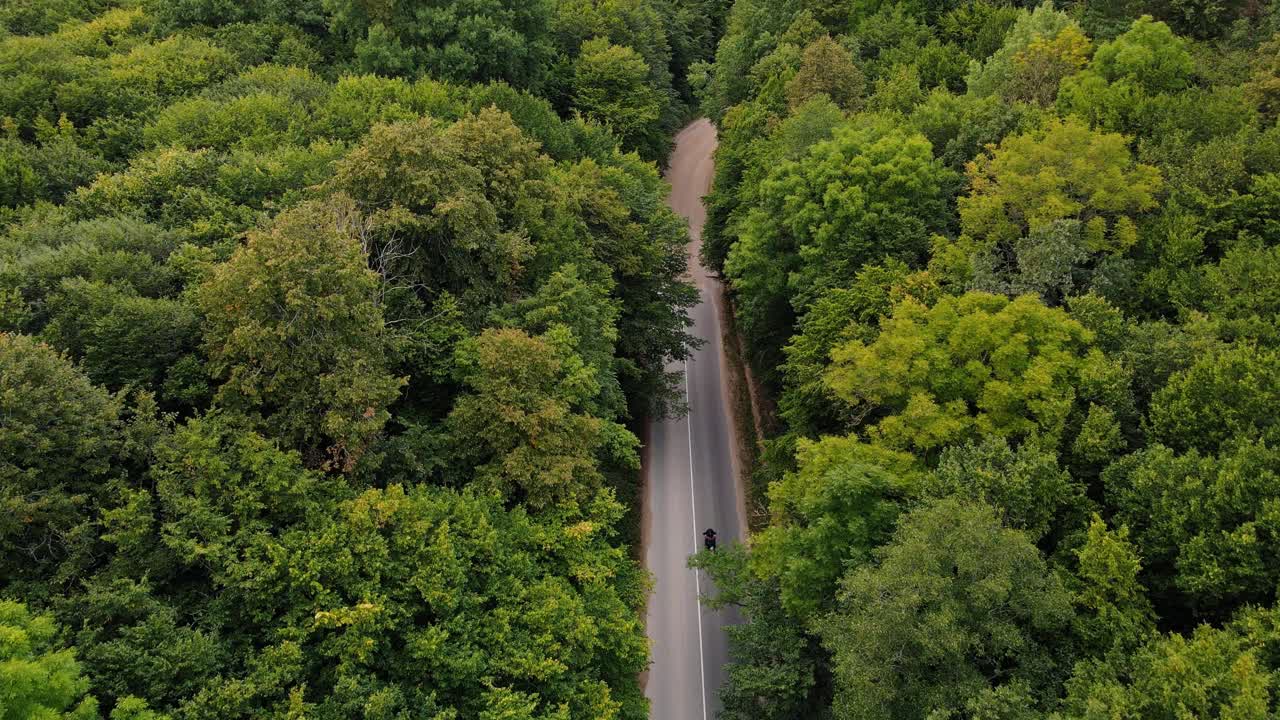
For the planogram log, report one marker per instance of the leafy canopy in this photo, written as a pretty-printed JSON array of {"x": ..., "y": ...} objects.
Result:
[
  {"x": 957, "y": 606},
  {"x": 969, "y": 366},
  {"x": 296, "y": 336}
]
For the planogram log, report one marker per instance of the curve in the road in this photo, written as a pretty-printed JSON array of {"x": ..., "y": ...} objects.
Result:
[{"x": 691, "y": 481}]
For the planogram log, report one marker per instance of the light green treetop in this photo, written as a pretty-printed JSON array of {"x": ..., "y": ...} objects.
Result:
[{"x": 970, "y": 366}]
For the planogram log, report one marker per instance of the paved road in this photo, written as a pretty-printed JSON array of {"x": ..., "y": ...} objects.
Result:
[{"x": 691, "y": 483}]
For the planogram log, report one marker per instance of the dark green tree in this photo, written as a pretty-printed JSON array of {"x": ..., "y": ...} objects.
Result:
[
  {"x": 958, "y": 606},
  {"x": 58, "y": 441},
  {"x": 457, "y": 40}
]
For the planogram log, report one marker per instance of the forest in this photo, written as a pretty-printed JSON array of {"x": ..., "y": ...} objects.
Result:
[
  {"x": 1008, "y": 276},
  {"x": 326, "y": 328}
]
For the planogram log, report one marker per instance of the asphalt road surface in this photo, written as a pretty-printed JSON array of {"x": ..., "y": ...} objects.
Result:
[{"x": 691, "y": 482}]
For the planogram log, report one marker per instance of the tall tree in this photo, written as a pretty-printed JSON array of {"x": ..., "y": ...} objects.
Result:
[
  {"x": 296, "y": 336},
  {"x": 58, "y": 441},
  {"x": 1222, "y": 396},
  {"x": 872, "y": 191},
  {"x": 978, "y": 365},
  {"x": 611, "y": 86},
  {"x": 1212, "y": 673},
  {"x": 1045, "y": 202},
  {"x": 39, "y": 681},
  {"x": 827, "y": 68},
  {"x": 1203, "y": 525},
  {"x": 458, "y": 40},
  {"x": 957, "y": 608},
  {"x": 825, "y": 520},
  {"x": 523, "y": 425}
]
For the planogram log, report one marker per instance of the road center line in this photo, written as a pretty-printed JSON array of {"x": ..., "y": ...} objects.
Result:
[{"x": 693, "y": 506}]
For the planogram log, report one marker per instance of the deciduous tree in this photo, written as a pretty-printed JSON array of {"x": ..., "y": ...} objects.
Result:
[
  {"x": 296, "y": 336},
  {"x": 957, "y": 607}
]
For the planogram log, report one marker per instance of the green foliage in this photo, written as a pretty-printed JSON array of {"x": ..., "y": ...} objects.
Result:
[
  {"x": 975, "y": 365},
  {"x": 466, "y": 189},
  {"x": 1126, "y": 177},
  {"x": 1024, "y": 484},
  {"x": 1043, "y": 46},
  {"x": 1051, "y": 199},
  {"x": 567, "y": 302},
  {"x": 1043, "y": 63},
  {"x": 295, "y": 237},
  {"x": 372, "y": 591},
  {"x": 979, "y": 27},
  {"x": 1241, "y": 294},
  {"x": 1149, "y": 55},
  {"x": 752, "y": 30},
  {"x": 828, "y": 69},
  {"x": 1224, "y": 395},
  {"x": 1140, "y": 82},
  {"x": 37, "y": 17},
  {"x": 827, "y": 516},
  {"x": 1062, "y": 171},
  {"x": 321, "y": 294},
  {"x": 838, "y": 316},
  {"x": 535, "y": 116},
  {"x": 535, "y": 444},
  {"x": 1213, "y": 673},
  {"x": 208, "y": 196},
  {"x": 898, "y": 91},
  {"x": 1112, "y": 609},
  {"x": 121, "y": 339},
  {"x": 356, "y": 103},
  {"x": 960, "y": 126},
  {"x": 611, "y": 86},
  {"x": 455, "y": 40},
  {"x": 37, "y": 680},
  {"x": 296, "y": 336},
  {"x": 57, "y": 440},
  {"x": 1202, "y": 523},
  {"x": 473, "y": 209},
  {"x": 872, "y": 191},
  {"x": 744, "y": 162},
  {"x": 958, "y": 606},
  {"x": 18, "y": 182}
]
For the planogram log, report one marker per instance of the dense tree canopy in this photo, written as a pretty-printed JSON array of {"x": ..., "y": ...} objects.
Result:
[
  {"x": 954, "y": 613},
  {"x": 295, "y": 334},
  {"x": 58, "y": 438},
  {"x": 325, "y": 331},
  {"x": 871, "y": 192},
  {"x": 1005, "y": 274},
  {"x": 978, "y": 365},
  {"x": 326, "y": 328}
]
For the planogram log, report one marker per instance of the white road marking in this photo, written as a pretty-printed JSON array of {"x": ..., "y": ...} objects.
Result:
[{"x": 693, "y": 506}]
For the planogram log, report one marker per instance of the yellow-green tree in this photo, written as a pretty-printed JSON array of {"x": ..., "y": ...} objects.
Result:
[
  {"x": 523, "y": 425},
  {"x": 828, "y": 69},
  {"x": 38, "y": 680},
  {"x": 1043, "y": 203},
  {"x": 972, "y": 366}
]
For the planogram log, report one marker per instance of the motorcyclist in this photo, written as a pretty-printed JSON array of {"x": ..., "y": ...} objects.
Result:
[{"x": 709, "y": 539}]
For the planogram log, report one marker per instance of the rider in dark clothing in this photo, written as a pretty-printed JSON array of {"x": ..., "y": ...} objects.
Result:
[{"x": 709, "y": 539}]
